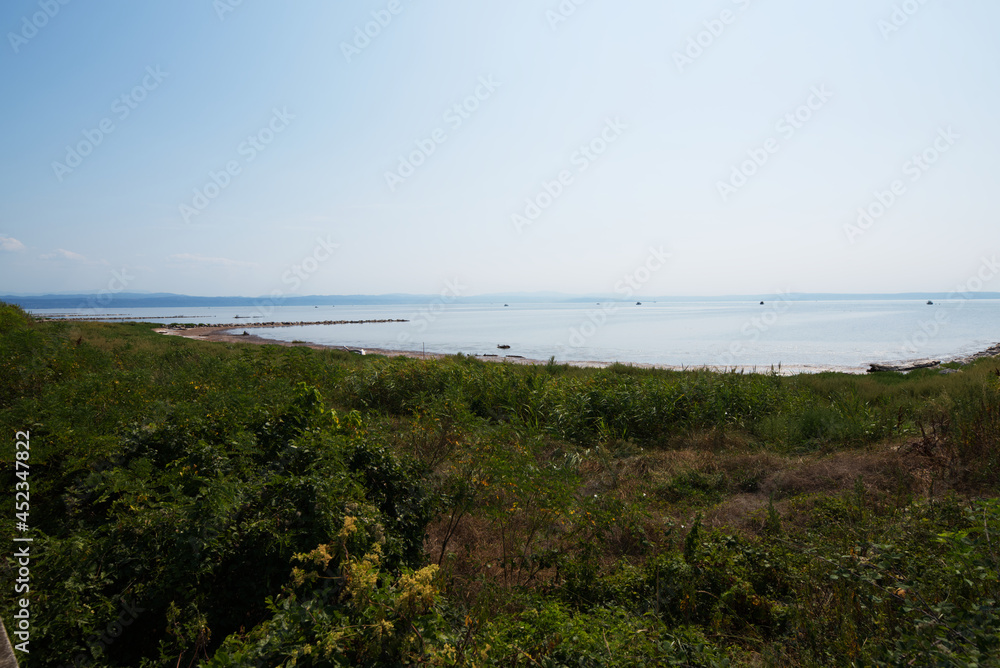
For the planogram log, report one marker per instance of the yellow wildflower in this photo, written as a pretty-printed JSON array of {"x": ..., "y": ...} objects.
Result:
[
  {"x": 416, "y": 591},
  {"x": 350, "y": 527}
]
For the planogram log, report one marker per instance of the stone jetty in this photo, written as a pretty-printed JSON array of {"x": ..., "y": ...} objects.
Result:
[
  {"x": 992, "y": 351},
  {"x": 902, "y": 368}
]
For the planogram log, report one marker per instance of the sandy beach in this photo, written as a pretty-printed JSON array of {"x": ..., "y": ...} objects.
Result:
[{"x": 226, "y": 334}]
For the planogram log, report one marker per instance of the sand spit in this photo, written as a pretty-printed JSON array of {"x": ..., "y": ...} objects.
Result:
[
  {"x": 300, "y": 323},
  {"x": 226, "y": 334}
]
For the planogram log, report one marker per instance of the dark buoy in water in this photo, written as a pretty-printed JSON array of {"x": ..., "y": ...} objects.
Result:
[{"x": 762, "y": 303}]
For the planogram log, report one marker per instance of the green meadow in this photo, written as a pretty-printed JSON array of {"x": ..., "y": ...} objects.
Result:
[{"x": 224, "y": 505}]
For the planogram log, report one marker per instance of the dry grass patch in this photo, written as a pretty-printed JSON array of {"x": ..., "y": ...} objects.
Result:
[
  {"x": 742, "y": 513},
  {"x": 881, "y": 474},
  {"x": 736, "y": 486},
  {"x": 879, "y": 471}
]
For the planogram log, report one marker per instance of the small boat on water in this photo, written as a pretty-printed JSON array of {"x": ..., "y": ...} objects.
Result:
[
  {"x": 638, "y": 303},
  {"x": 930, "y": 303},
  {"x": 503, "y": 346}
]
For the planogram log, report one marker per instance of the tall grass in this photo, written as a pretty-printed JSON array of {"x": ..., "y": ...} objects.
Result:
[{"x": 616, "y": 516}]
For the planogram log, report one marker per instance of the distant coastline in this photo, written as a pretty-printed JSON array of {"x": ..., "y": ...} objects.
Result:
[{"x": 264, "y": 303}]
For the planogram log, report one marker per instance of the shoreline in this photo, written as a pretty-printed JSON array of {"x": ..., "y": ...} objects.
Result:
[{"x": 218, "y": 334}]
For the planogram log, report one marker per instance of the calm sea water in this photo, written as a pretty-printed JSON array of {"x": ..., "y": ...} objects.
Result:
[{"x": 798, "y": 335}]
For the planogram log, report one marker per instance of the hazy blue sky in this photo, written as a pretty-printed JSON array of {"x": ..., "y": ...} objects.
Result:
[{"x": 255, "y": 147}]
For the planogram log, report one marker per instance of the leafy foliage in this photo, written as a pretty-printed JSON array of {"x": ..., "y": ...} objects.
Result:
[{"x": 232, "y": 505}]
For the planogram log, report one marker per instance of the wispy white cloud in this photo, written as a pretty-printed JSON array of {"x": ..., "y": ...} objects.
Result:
[
  {"x": 216, "y": 261},
  {"x": 10, "y": 244},
  {"x": 63, "y": 254}
]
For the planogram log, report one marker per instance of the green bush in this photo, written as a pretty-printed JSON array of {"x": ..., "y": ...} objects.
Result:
[{"x": 271, "y": 506}]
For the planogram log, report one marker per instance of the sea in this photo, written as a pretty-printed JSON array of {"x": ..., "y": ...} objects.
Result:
[{"x": 788, "y": 335}]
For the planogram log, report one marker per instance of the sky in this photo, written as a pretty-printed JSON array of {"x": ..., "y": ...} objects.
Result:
[{"x": 240, "y": 147}]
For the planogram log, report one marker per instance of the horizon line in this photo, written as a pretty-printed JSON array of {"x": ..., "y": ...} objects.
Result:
[{"x": 498, "y": 296}]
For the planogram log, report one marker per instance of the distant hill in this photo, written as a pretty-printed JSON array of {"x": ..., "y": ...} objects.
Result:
[{"x": 170, "y": 300}]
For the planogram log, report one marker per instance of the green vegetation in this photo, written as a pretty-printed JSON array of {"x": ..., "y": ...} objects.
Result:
[{"x": 223, "y": 505}]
